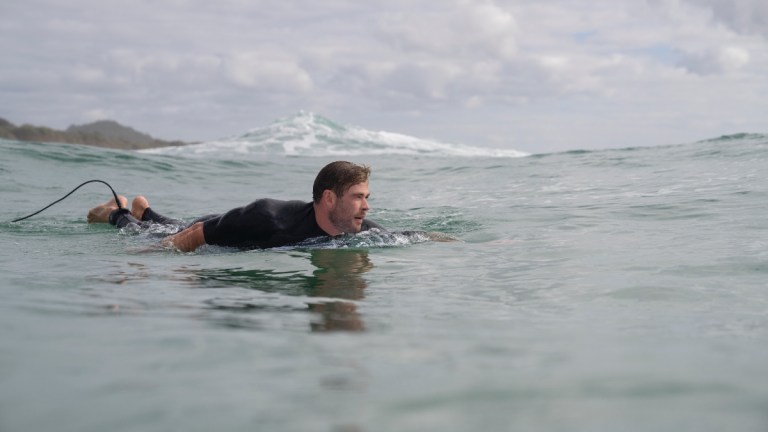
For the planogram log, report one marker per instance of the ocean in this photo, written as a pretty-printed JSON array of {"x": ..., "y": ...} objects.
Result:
[{"x": 592, "y": 290}]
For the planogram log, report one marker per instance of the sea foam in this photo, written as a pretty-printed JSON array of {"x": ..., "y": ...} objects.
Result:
[{"x": 309, "y": 134}]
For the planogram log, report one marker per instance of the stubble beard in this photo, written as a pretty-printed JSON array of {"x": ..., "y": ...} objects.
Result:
[{"x": 341, "y": 221}]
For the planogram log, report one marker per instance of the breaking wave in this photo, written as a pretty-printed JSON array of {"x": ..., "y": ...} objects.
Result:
[{"x": 309, "y": 134}]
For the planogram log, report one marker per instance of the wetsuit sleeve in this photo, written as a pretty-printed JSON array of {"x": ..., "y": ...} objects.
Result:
[
  {"x": 369, "y": 224},
  {"x": 122, "y": 218}
]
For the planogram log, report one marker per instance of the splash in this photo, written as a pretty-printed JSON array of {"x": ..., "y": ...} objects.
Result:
[
  {"x": 373, "y": 238},
  {"x": 309, "y": 134}
]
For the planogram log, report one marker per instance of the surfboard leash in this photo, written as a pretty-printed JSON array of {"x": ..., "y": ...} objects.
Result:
[{"x": 119, "y": 206}]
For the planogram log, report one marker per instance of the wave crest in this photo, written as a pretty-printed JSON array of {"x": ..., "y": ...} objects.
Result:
[
  {"x": 309, "y": 134},
  {"x": 739, "y": 137}
]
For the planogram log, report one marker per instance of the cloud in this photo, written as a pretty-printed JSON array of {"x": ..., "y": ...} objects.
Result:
[
  {"x": 460, "y": 29},
  {"x": 254, "y": 70},
  {"x": 456, "y": 70},
  {"x": 715, "y": 61},
  {"x": 96, "y": 114},
  {"x": 742, "y": 16}
]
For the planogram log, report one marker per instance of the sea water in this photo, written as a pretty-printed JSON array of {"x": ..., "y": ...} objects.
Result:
[{"x": 607, "y": 290}]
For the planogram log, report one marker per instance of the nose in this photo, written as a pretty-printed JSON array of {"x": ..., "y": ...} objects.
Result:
[{"x": 365, "y": 204}]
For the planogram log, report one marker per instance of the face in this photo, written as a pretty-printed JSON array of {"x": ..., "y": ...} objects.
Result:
[{"x": 350, "y": 209}]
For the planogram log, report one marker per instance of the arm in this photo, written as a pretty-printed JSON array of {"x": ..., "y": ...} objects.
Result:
[{"x": 187, "y": 240}]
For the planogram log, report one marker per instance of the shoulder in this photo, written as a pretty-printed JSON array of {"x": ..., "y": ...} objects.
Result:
[
  {"x": 275, "y": 206},
  {"x": 369, "y": 224},
  {"x": 283, "y": 215},
  {"x": 262, "y": 214}
]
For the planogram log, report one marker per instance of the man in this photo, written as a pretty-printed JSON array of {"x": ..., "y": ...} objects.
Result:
[{"x": 340, "y": 204}]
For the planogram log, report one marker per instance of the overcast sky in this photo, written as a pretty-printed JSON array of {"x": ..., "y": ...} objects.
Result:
[{"x": 535, "y": 75}]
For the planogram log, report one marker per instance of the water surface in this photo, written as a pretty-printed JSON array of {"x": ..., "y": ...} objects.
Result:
[{"x": 593, "y": 290}]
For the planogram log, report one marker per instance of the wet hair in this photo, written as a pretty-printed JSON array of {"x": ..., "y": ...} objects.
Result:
[{"x": 339, "y": 176}]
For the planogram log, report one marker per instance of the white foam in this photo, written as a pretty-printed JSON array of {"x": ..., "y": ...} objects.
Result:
[{"x": 307, "y": 134}]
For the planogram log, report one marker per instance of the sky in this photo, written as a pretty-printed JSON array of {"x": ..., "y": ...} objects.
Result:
[{"x": 535, "y": 76}]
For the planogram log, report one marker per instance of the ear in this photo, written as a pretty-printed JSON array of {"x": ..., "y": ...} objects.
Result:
[{"x": 329, "y": 197}]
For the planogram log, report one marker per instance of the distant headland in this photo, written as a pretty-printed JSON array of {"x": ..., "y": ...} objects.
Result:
[{"x": 102, "y": 133}]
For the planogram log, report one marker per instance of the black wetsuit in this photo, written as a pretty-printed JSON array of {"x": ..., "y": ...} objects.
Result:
[{"x": 264, "y": 223}]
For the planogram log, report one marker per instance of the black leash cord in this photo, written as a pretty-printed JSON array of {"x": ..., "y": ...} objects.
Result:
[{"x": 119, "y": 206}]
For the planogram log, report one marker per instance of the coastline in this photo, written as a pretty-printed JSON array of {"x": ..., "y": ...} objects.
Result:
[{"x": 102, "y": 133}]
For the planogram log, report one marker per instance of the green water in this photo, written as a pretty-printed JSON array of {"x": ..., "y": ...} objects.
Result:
[{"x": 608, "y": 290}]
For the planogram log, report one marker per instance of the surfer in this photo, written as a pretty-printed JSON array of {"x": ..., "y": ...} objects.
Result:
[{"x": 339, "y": 206}]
